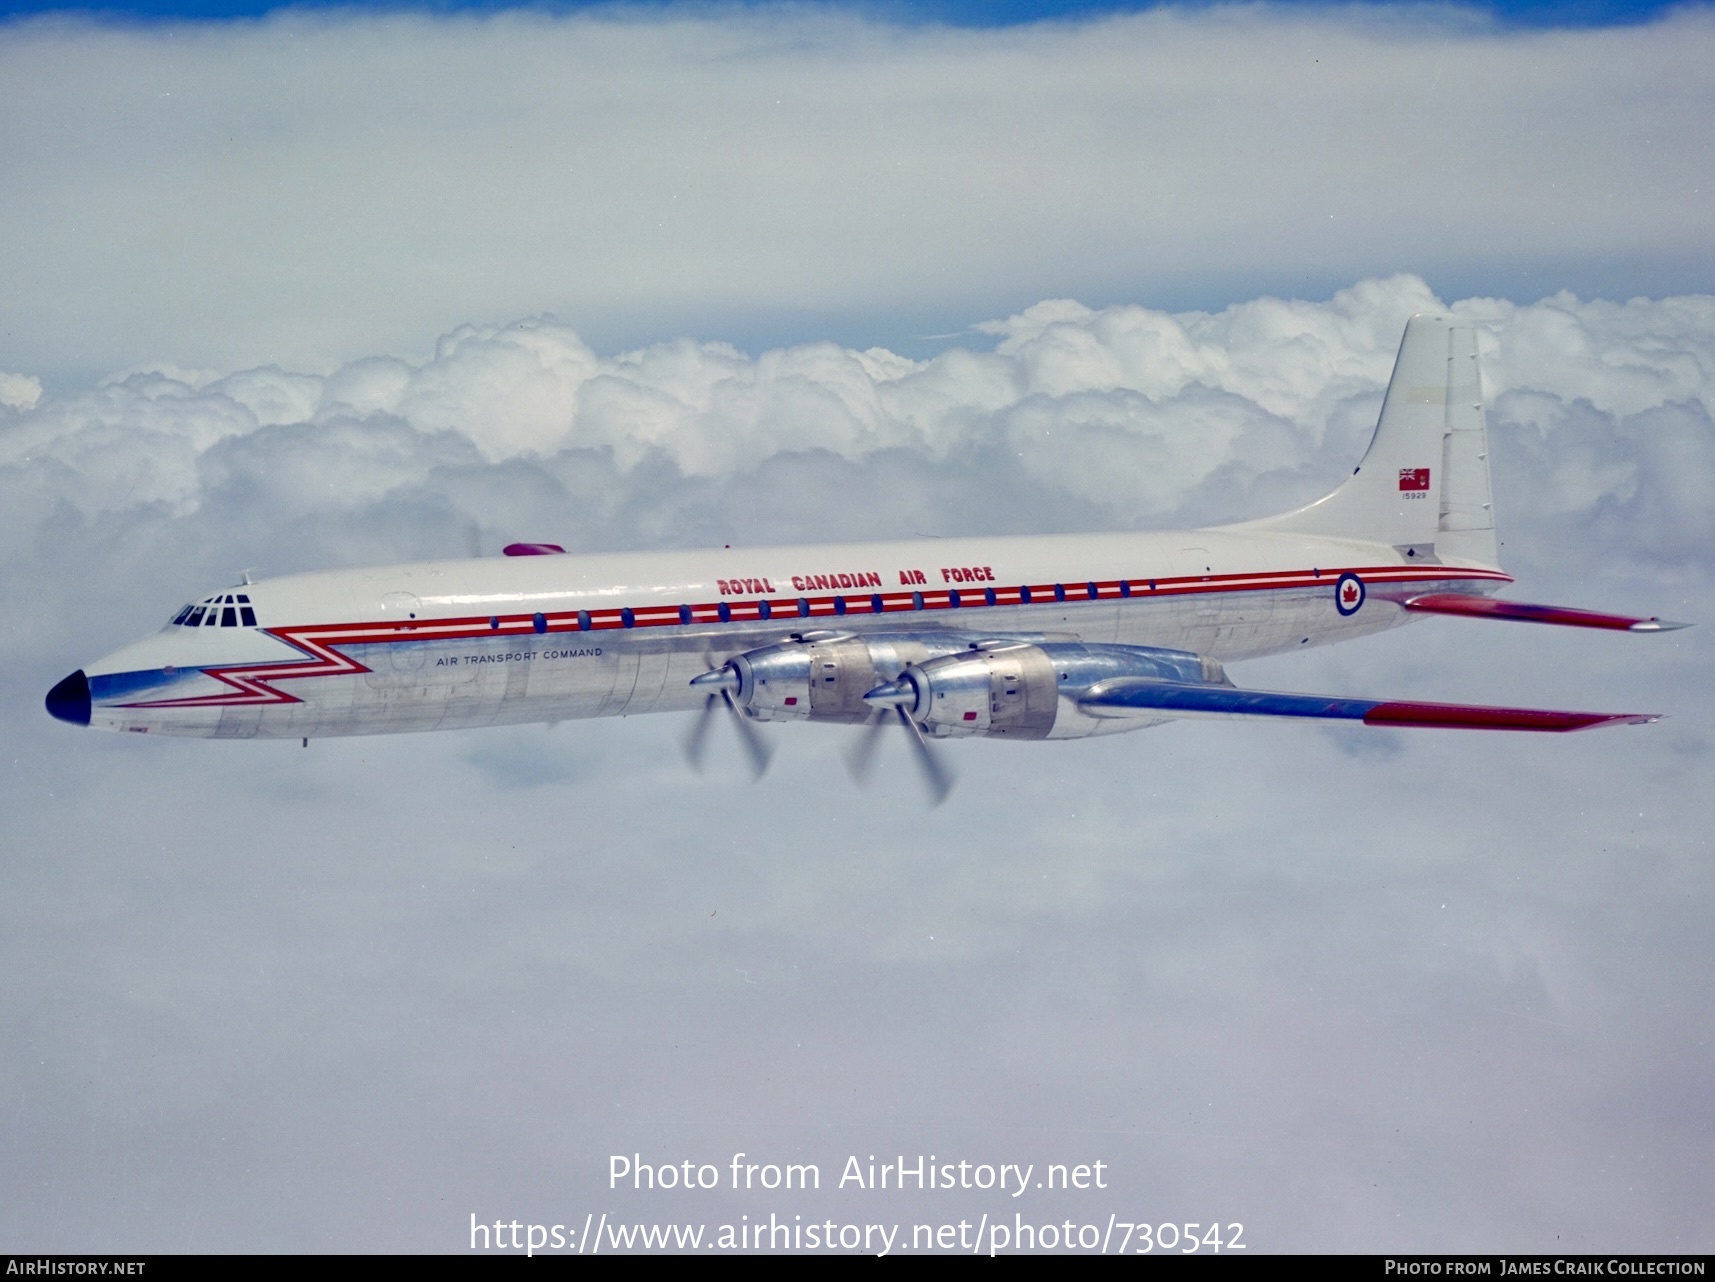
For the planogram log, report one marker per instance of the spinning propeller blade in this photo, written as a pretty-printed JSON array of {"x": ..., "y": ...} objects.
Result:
[{"x": 720, "y": 682}]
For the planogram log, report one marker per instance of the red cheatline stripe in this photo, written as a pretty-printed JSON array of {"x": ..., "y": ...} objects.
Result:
[
  {"x": 250, "y": 686},
  {"x": 659, "y": 615},
  {"x": 861, "y": 603},
  {"x": 1455, "y": 716}
]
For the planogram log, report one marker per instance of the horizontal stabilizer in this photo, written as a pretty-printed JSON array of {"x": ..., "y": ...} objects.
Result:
[
  {"x": 1173, "y": 699},
  {"x": 1522, "y": 612}
]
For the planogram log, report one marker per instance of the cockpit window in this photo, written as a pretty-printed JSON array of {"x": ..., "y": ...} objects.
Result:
[{"x": 223, "y": 610}]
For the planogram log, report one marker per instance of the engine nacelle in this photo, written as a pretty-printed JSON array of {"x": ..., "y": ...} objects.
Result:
[
  {"x": 1024, "y": 691},
  {"x": 823, "y": 676}
]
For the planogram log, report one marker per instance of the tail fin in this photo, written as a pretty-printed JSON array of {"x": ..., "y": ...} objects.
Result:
[{"x": 1423, "y": 484}]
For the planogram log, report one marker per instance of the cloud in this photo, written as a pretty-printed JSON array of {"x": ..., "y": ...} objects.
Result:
[
  {"x": 1347, "y": 989},
  {"x": 1121, "y": 417},
  {"x": 309, "y": 187},
  {"x": 19, "y": 391},
  {"x": 1403, "y": 992}
]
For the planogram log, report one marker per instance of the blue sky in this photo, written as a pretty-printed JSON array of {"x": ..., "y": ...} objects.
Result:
[{"x": 964, "y": 13}]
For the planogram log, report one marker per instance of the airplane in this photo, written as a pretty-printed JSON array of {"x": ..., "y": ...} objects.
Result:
[{"x": 1053, "y": 637}]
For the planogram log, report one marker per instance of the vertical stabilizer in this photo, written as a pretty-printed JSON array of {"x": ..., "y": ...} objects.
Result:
[{"x": 1423, "y": 484}]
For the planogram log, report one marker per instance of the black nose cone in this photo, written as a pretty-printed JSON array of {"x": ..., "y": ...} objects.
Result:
[{"x": 69, "y": 700}]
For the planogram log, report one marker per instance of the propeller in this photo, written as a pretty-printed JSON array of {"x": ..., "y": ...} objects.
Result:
[
  {"x": 935, "y": 772},
  {"x": 896, "y": 694},
  {"x": 860, "y": 757},
  {"x": 756, "y": 748}
]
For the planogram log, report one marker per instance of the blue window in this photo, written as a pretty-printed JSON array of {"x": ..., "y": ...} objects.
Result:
[
  {"x": 1024, "y": 595},
  {"x": 764, "y": 610},
  {"x": 583, "y": 620},
  {"x": 875, "y": 604},
  {"x": 539, "y": 622},
  {"x": 725, "y": 611},
  {"x": 684, "y": 614},
  {"x": 494, "y": 623},
  {"x": 247, "y": 615},
  {"x": 988, "y": 596},
  {"x": 1091, "y": 589},
  {"x": 839, "y": 605},
  {"x": 228, "y": 616},
  {"x": 627, "y": 618},
  {"x": 953, "y": 599},
  {"x": 1125, "y": 588},
  {"x": 1059, "y": 591},
  {"x": 803, "y": 607},
  {"x": 916, "y": 600}
]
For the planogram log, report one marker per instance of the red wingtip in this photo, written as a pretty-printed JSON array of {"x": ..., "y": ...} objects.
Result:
[
  {"x": 1457, "y": 716},
  {"x": 1484, "y": 607}
]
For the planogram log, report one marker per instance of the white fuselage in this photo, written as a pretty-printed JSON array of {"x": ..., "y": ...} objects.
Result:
[{"x": 452, "y": 644}]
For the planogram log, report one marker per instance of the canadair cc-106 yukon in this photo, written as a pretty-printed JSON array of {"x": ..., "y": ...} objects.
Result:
[{"x": 1024, "y": 638}]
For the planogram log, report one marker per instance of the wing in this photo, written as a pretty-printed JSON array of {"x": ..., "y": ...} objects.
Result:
[{"x": 1154, "y": 700}]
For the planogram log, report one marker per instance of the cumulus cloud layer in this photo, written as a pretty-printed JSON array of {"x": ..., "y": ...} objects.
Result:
[
  {"x": 308, "y": 187},
  {"x": 1074, "y": 417},
  {"x": 1357, "y": 990}
]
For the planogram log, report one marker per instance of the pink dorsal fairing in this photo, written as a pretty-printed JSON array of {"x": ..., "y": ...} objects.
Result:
[{"x": 534, "y": 549}]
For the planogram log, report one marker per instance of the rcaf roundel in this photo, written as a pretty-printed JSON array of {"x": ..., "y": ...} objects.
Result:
[{"x": 1348, "y": 594}]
